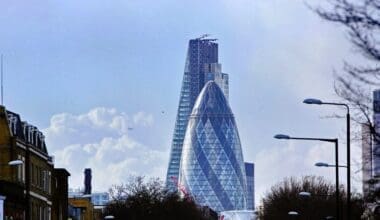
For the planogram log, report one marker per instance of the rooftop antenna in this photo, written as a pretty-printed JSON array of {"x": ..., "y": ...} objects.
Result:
[{"x": 2, "y": 87}]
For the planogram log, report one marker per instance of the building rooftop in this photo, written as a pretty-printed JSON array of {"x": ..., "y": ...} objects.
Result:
[{"x": 24, "y": 131}]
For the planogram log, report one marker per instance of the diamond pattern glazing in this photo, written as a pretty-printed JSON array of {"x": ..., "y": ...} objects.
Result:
[{"x": 212, "y": 166}]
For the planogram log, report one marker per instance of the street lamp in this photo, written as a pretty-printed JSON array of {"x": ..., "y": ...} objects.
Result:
[
  {"x": 319, "y": 102},
  {"x": 304, "y": 194},
  {"x": 293, "y": 214},
  {"x": 322, "y": 164},
  {"x": 15, "y": 162},
  {"x": 335, "y": 140},
  {"x": 109, "y": 217}
]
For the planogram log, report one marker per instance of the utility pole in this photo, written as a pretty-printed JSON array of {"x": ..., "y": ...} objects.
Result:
[{"x": 2, "y": 83}]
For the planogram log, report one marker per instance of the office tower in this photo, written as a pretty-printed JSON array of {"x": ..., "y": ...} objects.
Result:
[
  {"x": 250, "y": 175},
  {"x": 213, "y": 72},
  {"x": 376, "y": 143},
  {"x": 202, "y": 58},
  {"x": 212, "y": 167},
  {"x": 366, "y": 159}
]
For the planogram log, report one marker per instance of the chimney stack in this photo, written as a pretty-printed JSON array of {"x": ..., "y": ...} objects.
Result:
[{"x": 87, "y": 181}]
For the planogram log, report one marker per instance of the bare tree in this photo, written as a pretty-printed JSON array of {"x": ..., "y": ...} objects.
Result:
[
  {"x": 144, "y": 200},
  {"x": 285, "y": 196},
  {"x": 361, "y": 19}
]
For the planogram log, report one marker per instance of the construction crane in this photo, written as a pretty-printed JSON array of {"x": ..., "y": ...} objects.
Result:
[
  {"x": 203, "y": 36},
  {"x": 182, "y": 188}
]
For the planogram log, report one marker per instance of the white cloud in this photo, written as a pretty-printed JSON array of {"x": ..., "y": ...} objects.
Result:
[
  {"x": 99, "y": 140},
  {"x": 143, "y": 119}
]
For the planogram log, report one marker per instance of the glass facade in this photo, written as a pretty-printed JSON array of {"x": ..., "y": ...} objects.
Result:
[
  {"x": 212, "y": 166},
  {"x": 200, "y": 54},
  {"x": 250, "y": 175},
  {"x": 376, "y": 121},
  {"x": 100, "y": 199},
  {"x": 213, "y": 71}
]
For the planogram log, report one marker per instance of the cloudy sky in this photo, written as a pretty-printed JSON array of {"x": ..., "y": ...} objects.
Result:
[{"x": 102, "y": 80}]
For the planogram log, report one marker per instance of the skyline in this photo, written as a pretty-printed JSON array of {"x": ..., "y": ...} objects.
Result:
[
  {"x": 201, "y": 65},
  {"x": 120, "y": 82}
]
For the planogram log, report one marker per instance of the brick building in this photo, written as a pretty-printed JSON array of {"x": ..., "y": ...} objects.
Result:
[{"x": 28, "y": 186}]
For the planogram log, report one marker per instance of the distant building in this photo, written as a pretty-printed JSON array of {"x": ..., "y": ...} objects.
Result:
[
  {"x": 212, "y": 166},
  {"x": 60, "y": 194},
  {"x": 366, "y": 159},
  {"x": 376, "y": 142},
  {"x": 85, "y": 204},
  {"x": 100, "y": 198},
  {"x": 201, "y": 59},
  {"x": 250, "y": 175},
  {"x": 28, "y": 186},
  {"x": 213, "y": 72},
  {"x": 80, "y": 209}
]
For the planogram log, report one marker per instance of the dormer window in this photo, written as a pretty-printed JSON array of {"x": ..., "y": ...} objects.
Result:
[
  {"x": 33, "y": 131},
  {"x": 12, "y": 122},
  {"x": 24, "y": 127},
  {"x": 41, "y": 140}
]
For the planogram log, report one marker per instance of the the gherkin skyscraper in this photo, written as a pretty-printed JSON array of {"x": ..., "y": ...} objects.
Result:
[
  {"x": 201, "y": 65},
  {"x": 212, "y": 167}
]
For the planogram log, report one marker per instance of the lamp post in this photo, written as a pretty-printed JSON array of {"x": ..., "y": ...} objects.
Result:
[
  {"x": 319, "y": 102},
  {"x": 335, "y": 141},
  {"x": 322, "y": 164},
  {"x": 306, "y": 197},
  {"x": 293, "y": 214},
  {"x": 304, "y": 194},
  {"x": 15, "y": 162},
  {"x": 2, "y": 198}
]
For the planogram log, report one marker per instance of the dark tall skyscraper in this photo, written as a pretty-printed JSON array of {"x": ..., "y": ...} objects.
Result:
[{"x": 201, "y": 65}]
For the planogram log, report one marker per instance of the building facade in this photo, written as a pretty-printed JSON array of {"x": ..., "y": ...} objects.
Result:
[
  {"x": 212, "y": 167},
  {"x": 366, "y": 159},
  {"x": 213, "y": 72},
  {"x": 202, "y": 58},
  {"x": 27, "y": 186},
  {"x": 81, "y": 208},
  {"x": 100, "y": 199},
  {"x": 60, "y": 189},
  {"x": 250, "y": 175},
  {"x": 376, "y": 142}
]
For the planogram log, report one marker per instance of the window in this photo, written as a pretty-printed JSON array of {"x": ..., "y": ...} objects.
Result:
[
  {"x": 21, "y": 169},
  {"x": 46, "y": 181}
]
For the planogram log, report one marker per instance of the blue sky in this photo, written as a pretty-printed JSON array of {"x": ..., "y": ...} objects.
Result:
[{"x": 86, "y": 71}]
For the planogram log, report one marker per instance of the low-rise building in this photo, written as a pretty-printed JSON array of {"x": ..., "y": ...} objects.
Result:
[
  {"x": 81, "y": 208},
  {"x": 26, "y": 170}
]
